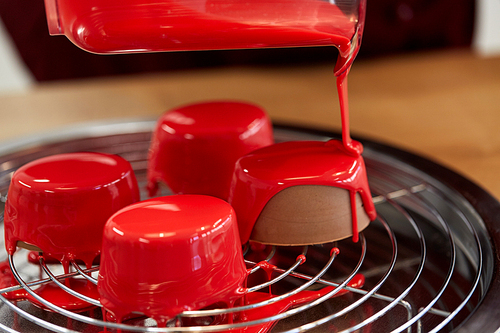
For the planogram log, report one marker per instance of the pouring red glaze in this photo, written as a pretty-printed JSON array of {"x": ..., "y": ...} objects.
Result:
[
  {"x": 126, "y": 26},
  {"x": 34, "y": 258},
  {"x": 194, "y": 147},
  {"x": 261, "y": 174},
  {"x": 350, "y": 147},
  {"x": 166, "y": 255},
  {"x": 60, "y": 203}
]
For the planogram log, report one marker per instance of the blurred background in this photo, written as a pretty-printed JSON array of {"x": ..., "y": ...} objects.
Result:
[{"x": 28, "y": 54}]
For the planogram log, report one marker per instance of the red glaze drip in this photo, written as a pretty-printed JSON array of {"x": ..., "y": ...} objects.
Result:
[
  {"x": 55, "y": 295},
  {"x": 298, "y": 299},
  {"x": 50, "y": 291},
  {"x": 261, "y": 174},
  {"x": 302, "y": 258},
  {"x": 60, "y": 203},
  {"x": 194, "y": 147},
  {"x": 354, "y": 212},
  {"x": 7, "y": 279},
  {"x": 34, "y": 258},
  {"x": 167, "y": 255},
  {"x": 335, "y": 251},
  {"x": 268, "y": 269}
]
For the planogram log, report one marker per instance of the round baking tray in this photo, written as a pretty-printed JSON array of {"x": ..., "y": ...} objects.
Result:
[{"x": 430, "y": 259}]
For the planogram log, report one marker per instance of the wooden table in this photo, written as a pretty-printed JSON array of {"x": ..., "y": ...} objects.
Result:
[{"x": 443, "y": 105}]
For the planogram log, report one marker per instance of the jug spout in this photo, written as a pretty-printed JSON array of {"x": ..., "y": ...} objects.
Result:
[{"x": 53, "y": 20}]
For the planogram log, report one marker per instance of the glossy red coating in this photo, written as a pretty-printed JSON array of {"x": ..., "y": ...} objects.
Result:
[
  {"x": 34, "y": 258},
  {"x": 298, "y": 299},
  {"x": 49, "y": 291},
  {"x": 195, "y": 147},
  {"x": 125, "y": 26},
  {"x": 261, "y": 174},
  {"x": 7, "y": 279},
  {"x": 55, "y": 295},
  {"x": 166, "y": 255},
  {"x": 60, "y": 203}
]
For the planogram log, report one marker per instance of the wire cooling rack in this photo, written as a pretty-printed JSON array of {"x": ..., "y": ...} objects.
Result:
[{"x": 426, "y": 264}]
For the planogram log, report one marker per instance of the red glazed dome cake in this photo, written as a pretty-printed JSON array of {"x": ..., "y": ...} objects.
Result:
[
  {"x": 301, "y": 192},
  {"x": 170, "y": 254},
  {"x": 59, "y": 204},
  {"x": 194, "y": 147}
]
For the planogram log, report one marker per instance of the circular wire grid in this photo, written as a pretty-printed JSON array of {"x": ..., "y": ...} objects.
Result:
[{"x": 424, "y": 265}]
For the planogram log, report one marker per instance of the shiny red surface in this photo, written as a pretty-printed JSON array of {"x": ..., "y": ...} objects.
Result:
[
  {"x": 298, "y": 299},
  {"x": 124, "y": 26},
  {"x": 261, "y": 174},
  {"x": 7, "y": 279},
  {"x": 55, "y": 295},
  {"x": 49, "y": 291},
  {"x": 60, "y": 203},
  {"x": 34, "y": 258},
  {"x": 170, "y": 254},
  {"x": 195, "y": 147}
]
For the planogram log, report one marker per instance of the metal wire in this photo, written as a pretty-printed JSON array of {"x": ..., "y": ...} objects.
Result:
[
  {"x": 64, "y": 287},
  {"x": 414, "y": 213},
  {"x": 283, "y": 273},
  {"x": 417, "y": 195},
  {"x": 92, "y": 321},
  {"x": 82, "y": 273}
]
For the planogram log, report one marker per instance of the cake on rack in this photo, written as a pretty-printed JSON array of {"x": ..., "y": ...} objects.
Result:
[
  {"x": 170, "y": 254},
  {"x": 300, "y": 193},
  {"x": 194, "y": 147},
  {"x": 59, "y": 204}
]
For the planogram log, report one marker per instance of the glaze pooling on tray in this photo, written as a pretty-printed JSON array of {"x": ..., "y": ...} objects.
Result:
[
  {"x": 7, "y": 279},
  {"x": 194, "y": 147},
  {"x": 301, "y": 298},
  {"x": 55, "y": 295},
  {"x": 60, "y": 203},
  {"x": 166, "y": 255}
]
